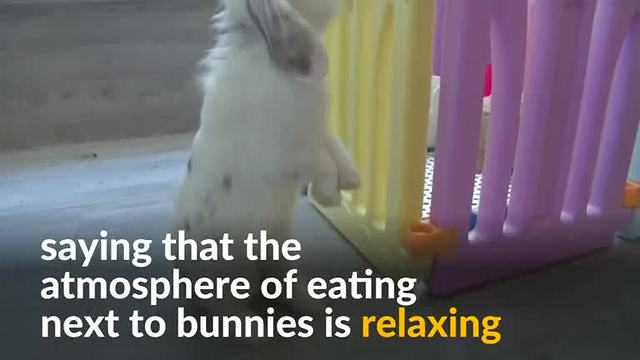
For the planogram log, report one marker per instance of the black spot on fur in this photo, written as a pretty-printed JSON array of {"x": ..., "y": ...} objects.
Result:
[{"x": 227, "y": 183}]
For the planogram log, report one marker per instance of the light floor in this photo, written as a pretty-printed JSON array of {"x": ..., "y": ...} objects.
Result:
[{"x": 585, "y": 309}]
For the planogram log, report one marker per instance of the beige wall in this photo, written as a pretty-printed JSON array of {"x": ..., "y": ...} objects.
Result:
[{"x": 86, "y": 70}]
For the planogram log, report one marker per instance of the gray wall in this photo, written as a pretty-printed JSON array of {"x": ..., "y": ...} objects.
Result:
[{"x": 86, "y": 70}]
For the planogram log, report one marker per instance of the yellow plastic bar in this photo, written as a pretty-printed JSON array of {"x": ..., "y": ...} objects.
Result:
[{"x": 380, "y": 71}]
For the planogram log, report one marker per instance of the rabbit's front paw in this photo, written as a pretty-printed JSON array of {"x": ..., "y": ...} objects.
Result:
[
  {"x": 325, "y": 194},
  {"x": 348, "y": 178}
]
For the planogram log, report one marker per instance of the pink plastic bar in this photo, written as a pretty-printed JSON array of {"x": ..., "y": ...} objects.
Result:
[
  {"x": 609, "y": 30},
  {"x": 578, "y": 28},
  {"x": 508, "y": 40},
  {"x": 465, "y": 50},
  {"x": 620, "y": 127},
  {"x": 566, "y": 92},
  {"x": 542, "y": 58}
]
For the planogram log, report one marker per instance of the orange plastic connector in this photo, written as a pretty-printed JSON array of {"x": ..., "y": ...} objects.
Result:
[
  {"x": 426, "y": 240},
  {"x": 631, "y": 198}
]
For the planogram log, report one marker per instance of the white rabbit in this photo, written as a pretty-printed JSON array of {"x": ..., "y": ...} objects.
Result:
[{"x": 263, "y": 132}]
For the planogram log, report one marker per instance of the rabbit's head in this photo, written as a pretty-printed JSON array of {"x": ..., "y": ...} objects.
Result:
[{"x": 291, "y": 29}]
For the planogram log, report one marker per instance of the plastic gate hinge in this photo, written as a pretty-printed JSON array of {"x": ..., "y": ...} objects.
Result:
[
  {"x": 425, "y": 240},
  {"x": 631, "y": 198}
]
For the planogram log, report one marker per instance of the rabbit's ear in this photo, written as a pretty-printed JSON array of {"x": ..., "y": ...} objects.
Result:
[{"x": 293, "y": 44}]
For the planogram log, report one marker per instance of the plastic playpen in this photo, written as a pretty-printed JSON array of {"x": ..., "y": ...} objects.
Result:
[{"x": 566, "y": 105}]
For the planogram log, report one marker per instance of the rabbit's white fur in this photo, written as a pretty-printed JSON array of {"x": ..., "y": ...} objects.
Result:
[{"x": 263, "y": 135}]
